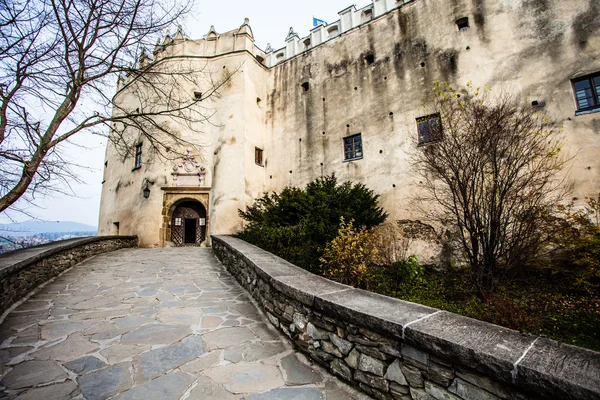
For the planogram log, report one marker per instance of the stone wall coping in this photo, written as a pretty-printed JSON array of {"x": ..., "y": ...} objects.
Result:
[
  {"x": 538, "y": 365},
  {"x": 14, "y": 261}
]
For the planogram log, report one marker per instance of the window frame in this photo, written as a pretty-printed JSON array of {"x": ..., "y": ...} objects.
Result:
[
  {"x": 595, "y": 93},
  {"x": 428, "y": 118},
  {"x": 138, "y": 157},
  {"x": 259, "y": 156},
  {"x": 354, "y": 149}
]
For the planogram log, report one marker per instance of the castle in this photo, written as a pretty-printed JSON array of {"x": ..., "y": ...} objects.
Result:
[{"x": 347, "y": 99}]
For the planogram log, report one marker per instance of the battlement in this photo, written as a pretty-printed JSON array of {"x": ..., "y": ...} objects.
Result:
[
  {"x": 350, "y": 18},
  {"x": 215, "y": 44}
]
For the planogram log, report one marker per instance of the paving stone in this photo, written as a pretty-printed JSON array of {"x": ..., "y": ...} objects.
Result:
[
  {"x": 167, "y": 387},
  {"x": 264, "y": 331},
  {"x": 209, "y": 389},
  {"x": 156, "y": 362},
  {"x": 60, "y": 329},
  {"x": 247, "y": 378},
  {"x": 84, "y": 365},
  {"x": 234, "y": 354},
  {"x": 333, "y": 391},
  {"x": 98, "y": 315},
  {"x": 129, "y": 322},
  {"x": 119, "y": 352},
  {"x": 290, "y": 393},
  {"x": 226, "y": 337},
  {"x": 32, "y": 373},
  {"x": 58, "y": 391},
  {"x": 203, "y": 362},
  {"x": 298, "y": 373},
  {"x": 96, "y": 303},
  {"x": 71, "y": 348},
  {"x": 211, "y": 322},
  {"x": 260, "y": 350},
  {"x": 107, "y": 382},
  {"x": 179, "y": 316},
  {"x": 156, "y": 334}
]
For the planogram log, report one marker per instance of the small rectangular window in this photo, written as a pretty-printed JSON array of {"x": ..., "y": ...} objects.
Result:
[
  {"x": 462, "y": 23},
  {"x": 138, "y": 156},
  {"x": 258, "y": 156},
  {"x": 353, "y": 147},
  {"x": 587, "y": 92},
  {"x": 197, "y": 96},
  {"x": 430, "y": 129}
]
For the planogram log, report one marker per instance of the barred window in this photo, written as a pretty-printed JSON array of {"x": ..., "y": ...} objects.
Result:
[
  {"x": 258, "y": 156},
  {"x": 587, "y": 92},
  {"x": 429, "y": 128},
  {"x": 138, "y": 156},
  {"x": 353, "y": 147}
]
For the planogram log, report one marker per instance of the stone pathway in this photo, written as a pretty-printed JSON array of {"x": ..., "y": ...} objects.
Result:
[{"x": 151, "y": 324}]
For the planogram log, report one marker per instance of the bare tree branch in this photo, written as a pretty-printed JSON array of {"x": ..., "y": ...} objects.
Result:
[{"x": 59, "y": 56}]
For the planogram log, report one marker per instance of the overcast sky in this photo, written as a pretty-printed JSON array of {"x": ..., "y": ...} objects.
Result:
[{"x": 270, "y": 21}]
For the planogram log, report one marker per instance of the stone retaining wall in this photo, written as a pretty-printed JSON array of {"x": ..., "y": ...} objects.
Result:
[
  {"x": 21, "y": 271},
  {"x": 394, "y": 349}
]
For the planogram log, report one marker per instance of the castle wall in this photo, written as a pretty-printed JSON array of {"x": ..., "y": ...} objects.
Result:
[
  {"x": 532, "y": 48},
  {"x": 221, "y": 146},
  {"x": 529, "y": 48}
]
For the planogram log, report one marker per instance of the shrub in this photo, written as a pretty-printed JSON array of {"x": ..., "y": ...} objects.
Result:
[
  {"x": 296, "y": 224},
  {"x": 347, "y": 256},
  {"x": 492, "y": 172},
  {"x": 578, "y": 256}
]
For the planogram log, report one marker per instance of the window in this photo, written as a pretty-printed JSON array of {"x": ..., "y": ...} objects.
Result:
[
  {"x": 138, "y": 156},
  {"x": 258, "y": 156},
  {"x": 462, "y": 23},
  {"x": 353, "y": 147},
  {"x": 587, "y": 92},
  {"x": 197, "y": 96},
  {"x": 430, "y": 129}
]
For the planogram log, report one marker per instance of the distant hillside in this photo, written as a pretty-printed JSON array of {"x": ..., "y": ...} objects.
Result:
[{"x": 36, "y": 227}]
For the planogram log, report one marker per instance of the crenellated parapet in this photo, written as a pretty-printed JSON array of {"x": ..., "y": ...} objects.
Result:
[
  {"x": 215, "y": 44},
  {"x": 350, "y": 18},
  {"x": 212, "y": 45}
]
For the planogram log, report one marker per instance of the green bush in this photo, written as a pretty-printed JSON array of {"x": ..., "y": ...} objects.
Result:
[{"x": 297, "y": 224}]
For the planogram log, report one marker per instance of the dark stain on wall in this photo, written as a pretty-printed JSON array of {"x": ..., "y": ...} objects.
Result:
[
  {"x": 586, "y": 24},
  {"x": 479, "y": 19},
  {"x": 448, "y": 63},
  {"x": 547, "y": 30}
]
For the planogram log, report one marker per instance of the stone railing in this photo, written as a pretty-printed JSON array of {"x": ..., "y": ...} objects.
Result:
[
  {"x": 21, "y": 271},
  {"x": 396, "y": 349}
]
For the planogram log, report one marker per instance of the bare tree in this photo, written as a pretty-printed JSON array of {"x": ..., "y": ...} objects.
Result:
[
  {"x": 59, "y": 61},
  {"x": 491, "y": 171}
]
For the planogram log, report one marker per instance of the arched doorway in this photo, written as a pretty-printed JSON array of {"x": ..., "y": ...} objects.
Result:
[{"x": 188, "y": 225}]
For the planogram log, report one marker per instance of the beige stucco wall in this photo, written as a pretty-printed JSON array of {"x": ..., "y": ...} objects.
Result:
[
  {"x": 221, "y": 146},
  {"x": 526, "y": 47},
  {"x": 532, "y": 48}
]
